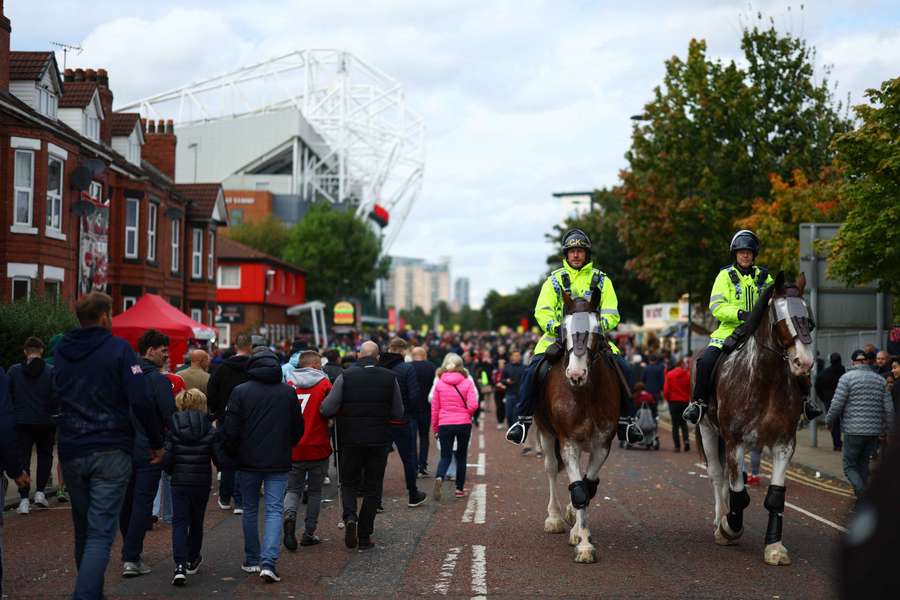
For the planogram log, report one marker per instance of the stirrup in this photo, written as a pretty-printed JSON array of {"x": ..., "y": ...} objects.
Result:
[
  {"x": 811, "y": 410},
  {"x": 694, "y": 406},
  {"x": 518, "y": 433}
]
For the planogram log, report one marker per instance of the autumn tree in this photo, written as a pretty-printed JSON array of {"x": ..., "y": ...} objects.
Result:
[{"x": 269, "y": 235}]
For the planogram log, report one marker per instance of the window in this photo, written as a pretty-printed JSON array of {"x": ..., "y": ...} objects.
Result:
[
  {"x": 24, "y": 188},
  {"x": 47, "y": 102},
  {"x": 134, "y": 153},
  {"x": 132, "y": 220},
  {"x": 236, "y": 215},
  {"x": 176, "y": 244},
  {"x": 21, "y": 288},
  {"x": 51, "y": 290},
  {"x": 128, "y": 302},
  {"x": 196, "y": 253},
  {"x": 210, "y": 253},
  {"x": 223, "y": 339},
  {"x": 91, "y": 127},
  {"x": 197, "y": 314},
  {"x": 54, "y": 194},
  {"x": 229, "y": 277},
  {"x": 96, "y": 190},
  {"x": 152, "y": 219}
]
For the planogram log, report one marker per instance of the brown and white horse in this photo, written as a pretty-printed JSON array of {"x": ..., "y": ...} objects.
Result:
[
  {"x": 759, "y": 398},
  {"x": 578, "y": 414}
]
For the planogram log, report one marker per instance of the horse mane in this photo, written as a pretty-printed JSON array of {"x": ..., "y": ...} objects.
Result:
[{"x": 758, "y": 314}]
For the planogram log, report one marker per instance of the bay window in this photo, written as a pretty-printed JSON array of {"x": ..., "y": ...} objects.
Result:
[
  {"x": 54, "y": 194},
  {"x": 132, "y": 220},
  {"x": 24, "y": 188}
]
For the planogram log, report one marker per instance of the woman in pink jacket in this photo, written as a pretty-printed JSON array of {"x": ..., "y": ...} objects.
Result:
[{"x": 453, "y": 402}]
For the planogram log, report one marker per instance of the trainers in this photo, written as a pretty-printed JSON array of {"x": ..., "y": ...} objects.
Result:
[
  {"x": 380, "y": 508},
  {"x": 500, "y": 426},
  {"x": 224, "y": 505},
  {"x": 518, "y": 433},
  {"x": 290, "y": 538},
  {"x": 250, "y": 568},
  {"x": 41, "y": 500},
  {"x": 309, "y": 539},
  {"x": 194, "y": 565},
  {"x": 438, "y": 484},
  {"x": 366, "y": 543},
  {"x": 423, "y": 472},
  {"x": 326, "y": 481},
  {"x": 269, "y": 575},
  {"x": 24, "y": 507},
  {"x": 460, "y": 493},
  {"x": 752, "y": 480},
  {"x": 350, "y": 539},
  {"x": 238, "y": 511},
  {"x": 135, "y": 569},
  {"x": 694, "y": 411},
  {"x": 62, "y": 495},
  {"x": 417, "y": 499},
  {"x": 180, "y": 576}
]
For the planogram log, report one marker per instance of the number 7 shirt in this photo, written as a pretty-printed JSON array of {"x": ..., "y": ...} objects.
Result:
[{"x": 311, "y": 386}]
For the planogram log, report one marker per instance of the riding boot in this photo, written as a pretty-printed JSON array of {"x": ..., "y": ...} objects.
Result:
[{"x": 518, "y": 433}]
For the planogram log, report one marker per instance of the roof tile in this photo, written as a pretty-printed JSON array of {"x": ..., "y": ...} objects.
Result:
[
  {"x": 123, "y": 123},
  {"x": 27, "y": 66},
  {"x": 78, "y": 94},
  {"x": 202, "y": 198},
  {"x": 227, "y": 248}
]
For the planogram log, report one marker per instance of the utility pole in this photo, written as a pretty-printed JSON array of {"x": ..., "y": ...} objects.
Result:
[{"x": 66, "y": 48}]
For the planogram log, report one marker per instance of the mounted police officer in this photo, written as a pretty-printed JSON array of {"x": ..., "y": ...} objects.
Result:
[
  {"x": 732, "y": 298},
  {"x": 576, "y": 277}
]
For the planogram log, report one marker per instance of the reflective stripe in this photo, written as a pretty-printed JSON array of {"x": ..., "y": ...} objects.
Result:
[
  {"x": 545, "y": 308},
  {"x": 555, "y": 284},
  {"x": 609, "y": 311},
  {"x": 715, "y": 305},
  {"x": 716, "y": 297}
]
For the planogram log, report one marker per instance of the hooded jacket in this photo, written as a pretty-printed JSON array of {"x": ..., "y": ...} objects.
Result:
[
  {"x": 230, "y": 374},
  {"x": 10, "y": 457},
  {"x": 99, "y": 385},
  {"x": 31, "y": 388},
  {"x": 311, "y": 386},
  {"x": 163, "y": 401},
  {"x": 263, "y": 421},
  {"x": 413, "y": 401},
  {"x": 452, "y": 407},
  {"x": 191, "y": 441}
]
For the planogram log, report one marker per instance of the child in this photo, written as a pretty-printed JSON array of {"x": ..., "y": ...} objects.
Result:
[
  {"x": 642, "y": 396},
  {"x": 191, "y": 441}
]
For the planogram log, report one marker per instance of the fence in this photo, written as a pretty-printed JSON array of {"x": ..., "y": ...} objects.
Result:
[{"x": 845, "y": 342}]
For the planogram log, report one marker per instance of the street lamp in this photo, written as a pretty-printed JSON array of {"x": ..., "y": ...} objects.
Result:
[{"x": 264, "y": 330}]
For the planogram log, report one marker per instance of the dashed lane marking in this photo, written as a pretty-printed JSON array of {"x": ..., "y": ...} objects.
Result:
[
  {"x": 481, "y": 463},
  {"x": 476, "y": 509},
  {"x": 479, "y": 572},
  {"x": 447, "y": 568},
  {"x": 481, "y": 441}
]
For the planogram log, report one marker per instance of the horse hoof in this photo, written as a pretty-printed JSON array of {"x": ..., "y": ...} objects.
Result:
[
  {"x": 776, "y": 554},
  {"x": 724, "y": 538},
  {"x": 569, "y": 517},
  {"x": 586, "y": 555},
  {"x": 554, "y": 525}
]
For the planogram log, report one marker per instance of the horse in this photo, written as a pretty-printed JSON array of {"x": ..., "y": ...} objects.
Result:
[
  {"x": 759, "y": 397},
  {"x": 579, "y": 413}
]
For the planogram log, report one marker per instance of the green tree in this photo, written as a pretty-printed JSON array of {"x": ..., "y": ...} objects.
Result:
[
  {"x": 269, "y": 235},
  {"x": 867, "y": 246},
  {"x": 415, "y": 318},
  {"x": 39, "y": 317},
  {"x": 340, "y": 252},
  {"x": 706, "y": 145},
  {"x": 508, "y": 309},
  {"x": 608, "y": 253}
]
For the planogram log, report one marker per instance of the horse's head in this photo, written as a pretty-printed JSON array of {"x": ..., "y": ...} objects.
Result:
[
  {"x": 791, "y": 324},
  {"x": 581, "y": 334}
]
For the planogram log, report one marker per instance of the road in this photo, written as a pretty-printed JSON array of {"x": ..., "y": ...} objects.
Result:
[{"x": 651, "y": 522}]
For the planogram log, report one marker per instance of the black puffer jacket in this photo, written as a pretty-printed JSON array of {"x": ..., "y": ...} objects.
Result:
[{"x": 191, "y": 442}]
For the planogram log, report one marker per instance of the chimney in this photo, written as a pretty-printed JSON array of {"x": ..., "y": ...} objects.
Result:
[
  {"x": 79, "y": 74},
  {"x": 5, "y": 30},
  {"x": 159, "y": 146},
  {"x": 106, "y": 101},
  {"x": 68, "y": 75}
]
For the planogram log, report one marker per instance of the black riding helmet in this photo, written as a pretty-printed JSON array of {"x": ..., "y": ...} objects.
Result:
[
  {"x": 576, "y": 238},
  {"x": 744, "y": 240}
]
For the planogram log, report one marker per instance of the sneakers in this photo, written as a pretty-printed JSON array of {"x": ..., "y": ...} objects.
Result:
[
  {"x": 180, "y": 576},
  {"x": 309, "y": 539},
  {"x": 752, "y": 479},
  {"x": 326, "y": 481},
  {"x": 41, "y": 500},
  {"x": 225, "y": 505},
  {"x": 24, "y": 507},
  {"x": 417, "y": 499},
  {"x": 238, "y": 511},
  {"x": 460, "y": 493},
  {"x": 422, "y": 473},
  {"x": 366, "y": 543},
  {"x": 694, "y": 411},
  {"x": 135, "y": 569},
  {"x": 62, "y": 495},
  {"x": 250, "y": 568},
  {"x": 290, "y": 538},
  {"x": 380, "y": 508},
  {"x": 269, "y": 575},
  {"x": 500, "y": 426},
  {"x": 518, "y": 433},
  {"x": 350, "y": 539},
  {"x": 438, "y": 484},
  {"x": 194, "y": 565}
]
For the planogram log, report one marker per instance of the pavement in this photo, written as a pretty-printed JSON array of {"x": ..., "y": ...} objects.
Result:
[{"x": 651, "y": 522}]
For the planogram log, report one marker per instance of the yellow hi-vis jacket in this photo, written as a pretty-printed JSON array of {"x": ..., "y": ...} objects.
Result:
[
  {"x": 548, "y": 311},
  {"x": 731, "y": 292}
]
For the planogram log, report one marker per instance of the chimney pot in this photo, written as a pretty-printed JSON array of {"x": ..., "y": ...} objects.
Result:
[
  {"x": 151, "y": 126},
  {"x": 79, "y": 74},
  {"x": 90, "y": 75},
  {"x": 103, "y": 77},
  {"x": 69, "y": 75},
  {"x": 170, "y": 126}
]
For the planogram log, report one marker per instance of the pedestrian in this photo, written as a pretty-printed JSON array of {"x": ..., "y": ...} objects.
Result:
[
  {"x": 162, "y": 503},
  {"x": 500, "y": 393},
  {"x": 677, "y": 392},
  {"x": 826, "y": 384},
  {"x": 511, "y": 379},
  {"x": 31, "y": 390},
  {"x": 332, "y": 366},
  {"x": 364, "y": 399},
  {"x": 10, "y": 455},
  {"x": 137, "y": 508},
  {"x": 191, "y": 442},
  {"x": 653, "y": 378},
  {"x": 197, "y": 376},
  {"x": 454, "y": 402},
  {"x": 62, "y": 496},
  {"x": 864, "y": 405},
  {"x": 641, "y": 397},
  {"x": 102, "y": 395},
  {"x": 895, "y": 386},
  {"x": 309, "y": 458},
  {"x": 405, "y": 430},
  {"x": 425, "y": 371},
  {"x": 883, "y": 363},
  {"x": 263, "y": 422},
  {"x": 483, "y": 369},
  {"x": 230, "y": 374}
]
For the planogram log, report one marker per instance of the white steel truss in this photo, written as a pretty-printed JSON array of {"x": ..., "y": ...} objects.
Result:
[{"x": 374, "y": 149}]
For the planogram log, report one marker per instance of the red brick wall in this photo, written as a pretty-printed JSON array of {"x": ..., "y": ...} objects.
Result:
[{"x": 159, "y": 146}]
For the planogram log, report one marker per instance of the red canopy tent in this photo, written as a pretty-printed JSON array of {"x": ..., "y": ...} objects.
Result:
[{"x": 152, "y": 312}]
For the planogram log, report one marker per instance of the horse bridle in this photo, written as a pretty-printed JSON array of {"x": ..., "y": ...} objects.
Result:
[
  {"x": 583, "y": 334},
  {"x": 791, "y": 312}
]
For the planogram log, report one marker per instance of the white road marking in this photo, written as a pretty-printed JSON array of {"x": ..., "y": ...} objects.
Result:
[
  {"x": 481, "y": 425},
  {"x": 447, "y": 568},
  {"x": 481, "y": 441},
  {"x": 476, "y": 509},
  {"x": 481, "y": 460},
  {"x": 479, "y": 572}
]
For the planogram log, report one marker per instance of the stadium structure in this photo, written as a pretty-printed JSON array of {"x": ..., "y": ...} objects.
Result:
[{"x": 308, "y": 126}]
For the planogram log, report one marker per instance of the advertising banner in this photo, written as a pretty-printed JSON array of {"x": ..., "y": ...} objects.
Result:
[{"x": 93, "y": 250}]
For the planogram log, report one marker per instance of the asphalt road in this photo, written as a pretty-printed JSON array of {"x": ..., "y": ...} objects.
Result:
[{"x": 651, "y": 523}]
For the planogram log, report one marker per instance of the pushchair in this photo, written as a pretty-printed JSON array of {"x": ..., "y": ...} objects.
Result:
[{"x": 647, "y": 422}]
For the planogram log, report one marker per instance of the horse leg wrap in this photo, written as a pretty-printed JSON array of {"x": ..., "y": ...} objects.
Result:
[
  {"x": 774, "y": 503},
  {"x": 579, "y": 494},
  {"x": 592, "y": 485},
  {"x": 737, "y": 502}
]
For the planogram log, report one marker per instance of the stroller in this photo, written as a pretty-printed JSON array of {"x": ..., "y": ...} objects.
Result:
[{"x": 647, "y": 422}]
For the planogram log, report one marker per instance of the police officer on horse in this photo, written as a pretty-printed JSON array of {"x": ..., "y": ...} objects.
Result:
[{"x": 576, "y": 277}]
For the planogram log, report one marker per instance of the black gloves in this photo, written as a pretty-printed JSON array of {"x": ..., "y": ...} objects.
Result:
[{"x": 742, "y": 315}]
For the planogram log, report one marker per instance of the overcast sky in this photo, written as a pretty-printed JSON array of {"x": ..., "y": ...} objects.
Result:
[{"x": 521, "y": 98}]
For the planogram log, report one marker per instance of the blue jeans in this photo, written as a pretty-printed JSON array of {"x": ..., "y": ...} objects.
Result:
[
  {"x": 404, "y": 437},
  {"x": 96, "y": 485},
  {"x": 274, "y": 485},
  {"x": 447, "y": 434},
  {"x": 187, "y": 526},
  {"x": 137, "y": 508},
  {"x": 163, "y": 499},
  {"x": 230, "y": 487},
  {"x": 857, "y": 452}
]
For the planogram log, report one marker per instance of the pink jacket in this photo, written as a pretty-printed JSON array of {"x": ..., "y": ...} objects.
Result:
[{"x": 447, "y": 407}]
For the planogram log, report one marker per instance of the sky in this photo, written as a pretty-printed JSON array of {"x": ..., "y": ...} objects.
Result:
[{"x": 521, "y": 98}]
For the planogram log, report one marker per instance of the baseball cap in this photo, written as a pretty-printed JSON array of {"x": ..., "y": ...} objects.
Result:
[{"x": 858, "y": 355}]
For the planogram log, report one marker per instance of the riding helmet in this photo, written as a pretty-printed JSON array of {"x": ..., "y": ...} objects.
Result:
[
  {"x": 745, "y": 240},
  {"x": 576, "y": 238}
]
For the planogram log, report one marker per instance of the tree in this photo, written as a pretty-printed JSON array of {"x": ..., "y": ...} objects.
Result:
[
  {"x": 867, "y": 246},
  {"x": 706, "y": 145},
  {"x": 269, "y": 235},
  {"x": 38, "y": 316},
  {"x": 608, "y": 253},
  {"x": 340, "y": 252},
  {"x": 509, "y": 309},
  {"x": 777, "y": 221}
]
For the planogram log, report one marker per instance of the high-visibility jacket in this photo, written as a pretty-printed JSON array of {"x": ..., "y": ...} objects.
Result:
[
  {"x": 731, "y": 292},
  {"x": 548, "y": 311}
]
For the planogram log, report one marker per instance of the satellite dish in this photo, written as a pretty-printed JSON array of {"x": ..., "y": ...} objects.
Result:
[{"x": 81, "y": 178}]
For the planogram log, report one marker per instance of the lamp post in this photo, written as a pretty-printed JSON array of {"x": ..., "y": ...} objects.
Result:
[{"x": 264, "y": 330}]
